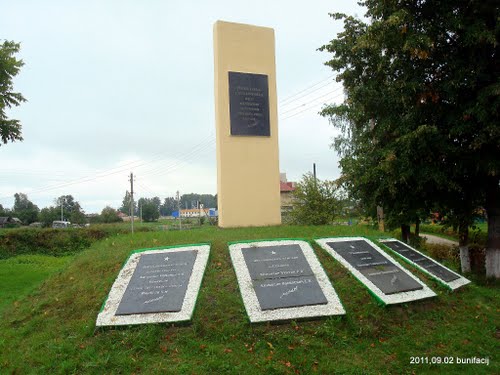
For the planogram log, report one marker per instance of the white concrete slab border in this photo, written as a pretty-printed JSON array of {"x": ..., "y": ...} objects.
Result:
[
  {"x": 390, "y": 299},
  {"x": 252, "y": 306},
  {"x": 107, "y": 315},
  {"x": 455, "y": 284}
]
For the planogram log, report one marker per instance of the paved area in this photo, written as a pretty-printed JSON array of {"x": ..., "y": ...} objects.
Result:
[{"x": 438, "y": 240}]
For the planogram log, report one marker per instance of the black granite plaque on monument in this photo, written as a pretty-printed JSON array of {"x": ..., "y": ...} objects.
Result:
[
  {"x": 429, "y": 265},
  {"x": 268, "y": 262},
  {"x": 288, "y": 292},
  {"x": 158, "y": 284},
  {"x": 383, "y": 273},
  {"x": 249, "y": 104},
  {"x": 282, "y": 277}
]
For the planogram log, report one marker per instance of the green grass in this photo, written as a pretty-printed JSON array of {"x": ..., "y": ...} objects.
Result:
[
  {"x": 21, "y": 274},
  {"x": 53, "y": 329}
]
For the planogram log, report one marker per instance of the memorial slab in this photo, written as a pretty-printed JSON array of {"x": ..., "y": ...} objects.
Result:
[
  {"x": 436, "y": 270},
  {"x": 281, "y": 280},
  {"x": 156, "y": 286},
  {"x": 267, "y": 262},
  {"x": 381, "y": 274},
  {"x": 249, "y": 104}
]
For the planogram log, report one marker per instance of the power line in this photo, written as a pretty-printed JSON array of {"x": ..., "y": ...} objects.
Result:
[
  {"x": 306, "y": 109},
  {"x": 170, "y": 168},
  {"x": 100, "y": 175},
  {"x": 193, "y": 151},
  {"x": 306, "y": 89},
  {"x": 305, "y": 96},
  {"x": 311, "y": 101}
]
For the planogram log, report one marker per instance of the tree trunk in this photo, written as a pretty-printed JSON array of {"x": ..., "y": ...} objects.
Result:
[
  {"x": 493, "y": 243},
  {"x": 405, "y": 233},
  {"x": 463, "y": 245},
  {"x": 417, "y": 228},
  {"x": 380, "y": 218}
]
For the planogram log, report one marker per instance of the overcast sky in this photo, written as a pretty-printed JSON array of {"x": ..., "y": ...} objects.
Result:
[{"x": 115, "y": 87}]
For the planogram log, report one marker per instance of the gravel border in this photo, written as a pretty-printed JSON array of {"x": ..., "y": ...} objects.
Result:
[
  {"x": 390, "y": 299},
  {"x": 107, "y": 316},
  {"x": 455, "y": 284},
  {"x": 252, "y": 306}
]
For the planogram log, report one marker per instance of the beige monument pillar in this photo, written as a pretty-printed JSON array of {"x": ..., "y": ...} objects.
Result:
[{"x": 246, "y": 126}]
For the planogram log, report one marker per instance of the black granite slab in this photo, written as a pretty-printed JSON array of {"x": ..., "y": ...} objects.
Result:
[
  {"x": 282, "y": 277},
  {"x": 268, "y": 262},
  {"x": 382, "y": 272},
  {"x": 158, "y": 284},
  {"x": 429, "y": 265},
  {"x": 249, "y": 104},
  {"x": 288, "y": 292}
]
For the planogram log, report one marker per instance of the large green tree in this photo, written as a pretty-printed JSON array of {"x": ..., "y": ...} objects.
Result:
[
  {"x": 191, "y": 200},
  {"x": 10, "y": 129},
  {"x": 125, "y": 207},
  {"x": 49, "y": 214},
  {"x": 109, "y": 215},
  {"x": 420, "y": 120},
  {"x": 71, "y": 209},
  {"x": 150, "y": 208},
  {"x": 169, "y": 205},
  {"x": 24, "y": 209}
]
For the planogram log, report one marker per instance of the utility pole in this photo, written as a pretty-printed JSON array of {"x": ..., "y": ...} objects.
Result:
[
  {"x": 140, "y": 210},
  {"x": 132, "y": 200},
  {"x": 314, "y": 173},
  {"x": 198, "y": 206},
  {"x": 62, "y": 202},
  {"x": 179, "y": 209}
]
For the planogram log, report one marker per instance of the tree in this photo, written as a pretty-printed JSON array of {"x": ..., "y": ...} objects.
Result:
[
  {"x": 150, "y": 208},
  {"x": 10, "y": 129},
  {"x": 49, "y": 214},
  {"x": 24, "y": 209},
  {"x": 316, "y": 202},
  {"x": 191, "y": 200},
  {"x": 169, "y": 205},
  {"x": 71, "y": 209},
  {"x": 420, "y": 119},
  {"x": 109, "y": 215},
  {"x": 125, "y": 207}
]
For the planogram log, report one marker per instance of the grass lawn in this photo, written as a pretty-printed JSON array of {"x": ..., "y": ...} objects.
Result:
[
  {"x": 21, "y": 274},
  {"x": 52, "y": 330}
]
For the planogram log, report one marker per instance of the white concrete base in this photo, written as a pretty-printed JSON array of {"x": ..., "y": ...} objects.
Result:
[
  {"x": 455, "y": 284},
  {"x": 387, "y": 299},
  {"x": 252, "y": 306},
  {"x": 107, "y": 316}
]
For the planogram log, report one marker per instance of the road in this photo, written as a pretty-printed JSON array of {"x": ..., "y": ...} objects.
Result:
[{"x": 438, "y": 240}]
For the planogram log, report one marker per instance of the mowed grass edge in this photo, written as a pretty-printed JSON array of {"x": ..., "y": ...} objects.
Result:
[{"x": 53, "y": 329}]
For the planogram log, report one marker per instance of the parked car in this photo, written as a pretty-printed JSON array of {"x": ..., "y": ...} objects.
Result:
[{"x": 60, "y": 224}]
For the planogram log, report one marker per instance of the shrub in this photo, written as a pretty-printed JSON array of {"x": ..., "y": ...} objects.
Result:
[
  {"x": 315, "y": 202},
  {"x": 55, "y": 242}
]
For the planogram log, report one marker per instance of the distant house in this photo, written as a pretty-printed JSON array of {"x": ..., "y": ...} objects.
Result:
[
  {"x": 286, "y": 194},
  {"x": 9, "y": 222},
  {"x": 123, "y": 216},
  {"x": 197, "y": 212}
]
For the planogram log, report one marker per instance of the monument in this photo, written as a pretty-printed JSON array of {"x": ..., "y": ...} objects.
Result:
[
  {"x": 387, "y": 281},
  {"x": 156, "y": 286},
  {"x": 437, "y": 271},
  {"x": 281, "y": 280},
  {"x": 246, "y": 126}
]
